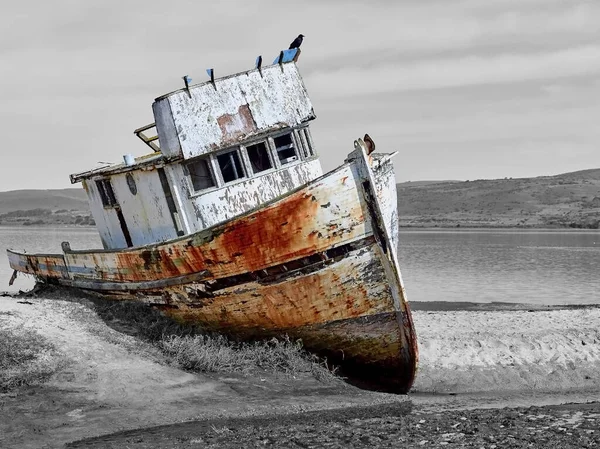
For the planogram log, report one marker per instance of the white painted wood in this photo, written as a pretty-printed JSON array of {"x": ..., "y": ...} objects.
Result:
[
  {"x": 277, "y": 99},
  {"x": 146, "y": 213},
  {"x": 221, "y": 205},
  {"x": 106, "y": 218},
  {"x": 165, "y": 127}
]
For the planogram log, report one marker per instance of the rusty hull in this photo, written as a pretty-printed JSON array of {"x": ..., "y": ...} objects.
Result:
[{"x": 316, "y": 264}]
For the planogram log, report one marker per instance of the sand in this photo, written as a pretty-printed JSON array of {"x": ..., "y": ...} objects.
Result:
[
  {"x": 470, "y": 359},
  {"x": 465, "y": 351}
]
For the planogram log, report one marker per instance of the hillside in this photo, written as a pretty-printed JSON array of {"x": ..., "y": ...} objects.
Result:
[
  {"x": 565, "y": 200},
  {"x": 39, "y": 207}
]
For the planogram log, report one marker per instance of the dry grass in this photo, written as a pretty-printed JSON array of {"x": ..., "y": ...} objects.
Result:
[
  {"x": 192, "y": 348},
  {"x": 218, "y": 354},
  {"x": 26, "y": 358}
]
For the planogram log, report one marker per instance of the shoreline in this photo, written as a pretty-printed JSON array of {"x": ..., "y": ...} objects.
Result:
[
  {"x": 568, "y": 425},
  {"x": 475, "y": 362},
  {"x": 432, "y": 227}
]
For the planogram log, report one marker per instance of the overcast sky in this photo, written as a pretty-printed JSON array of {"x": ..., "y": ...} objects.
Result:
[{"x": 463, "y": 89}]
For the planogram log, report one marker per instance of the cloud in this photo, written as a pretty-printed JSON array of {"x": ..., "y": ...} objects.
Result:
[
  {"x": 454, "y": 72},
  {"x": 77, "y": 77}
]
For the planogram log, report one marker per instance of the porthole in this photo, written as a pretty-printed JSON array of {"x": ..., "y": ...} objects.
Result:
[{"x": 131, "y": 184}]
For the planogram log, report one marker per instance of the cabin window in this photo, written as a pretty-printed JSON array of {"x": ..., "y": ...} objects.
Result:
[
  {"x": 200, "y": 174},
  {"x": 259, "y": 157},
  {"x": 107, "y": 193},
  {"x": 285, "y": 149},
  {"x": 306, "y": 141},
  {"x": 231, "y": 166}
]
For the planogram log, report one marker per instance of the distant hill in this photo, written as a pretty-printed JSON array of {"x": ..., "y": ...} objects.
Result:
[
  {"x": 422, "y": 183},
  {"x": 566, "y": 200},
  {"x": 38, "y": 207}
]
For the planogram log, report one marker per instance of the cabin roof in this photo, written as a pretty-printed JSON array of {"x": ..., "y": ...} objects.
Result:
[
  {"x": 233, "y": 75},
  {"x": 161, "y": 157},
  {"x": 140, "y": 163}
]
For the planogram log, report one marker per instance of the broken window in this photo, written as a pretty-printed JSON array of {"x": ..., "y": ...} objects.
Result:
[
  {"x": 259, "y": 157},
  {"x": 107, "y": 194},
  {"x": 285, "y": 148},
  {"x": 306, "y": 142},
  {"x": 231, "y": 166},
  {"x": 200, "y": 174}
]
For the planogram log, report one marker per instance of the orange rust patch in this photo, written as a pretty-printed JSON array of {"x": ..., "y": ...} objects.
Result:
[
  {"x": 260, "y": 238},
  {"x": 346, "y": 289},
  {"x": 234, "y": 126}
]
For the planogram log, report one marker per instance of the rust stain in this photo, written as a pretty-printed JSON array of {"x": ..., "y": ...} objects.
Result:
[
  {"x": 246, "y": 244},
  {"x": 260, "y": 237},
  {"x": 345, "y": 289},
  {"x": 235, "y": 126}
]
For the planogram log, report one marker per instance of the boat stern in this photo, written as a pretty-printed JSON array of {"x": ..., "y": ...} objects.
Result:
[{"x": 47, "y": 267}]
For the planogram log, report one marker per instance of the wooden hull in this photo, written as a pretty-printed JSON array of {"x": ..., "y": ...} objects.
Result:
[{"x": 318, "y": 264}]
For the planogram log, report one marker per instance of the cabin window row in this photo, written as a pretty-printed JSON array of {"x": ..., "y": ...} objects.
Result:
[{"x": 246, "y": 161}]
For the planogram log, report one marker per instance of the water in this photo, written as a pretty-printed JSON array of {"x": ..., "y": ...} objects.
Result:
[
  {"x": 39, "y": 240},
  {"x": 538, "y": 267},
  {"x": 534, "y": 266}
]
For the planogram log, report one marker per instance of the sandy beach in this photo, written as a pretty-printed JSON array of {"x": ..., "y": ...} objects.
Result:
[{"x": 480, "y": 364}]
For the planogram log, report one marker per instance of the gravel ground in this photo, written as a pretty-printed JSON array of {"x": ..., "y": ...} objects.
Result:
[{"x": 395, "y": 425}]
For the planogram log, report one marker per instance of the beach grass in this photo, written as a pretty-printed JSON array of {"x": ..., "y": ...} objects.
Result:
[
  {"x": 218, "y": 354},
  {"x": 26, "y": 358},
  {"x": 192, "y": 348}
]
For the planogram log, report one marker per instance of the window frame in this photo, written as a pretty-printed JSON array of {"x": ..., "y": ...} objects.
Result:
[
  {"x": 301, "y": 144},
  {"x": 297, "y": 153},
  {"x": 107, "y": 195},
  {"x": 243, "y": 163},
  {"x": 269, "y": 152},
  {"x": 305, "y": 138},
  {"x": 211, "y": 170}
]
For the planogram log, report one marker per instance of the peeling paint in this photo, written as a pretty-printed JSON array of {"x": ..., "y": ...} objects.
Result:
[{"x": 248, "y": 102}]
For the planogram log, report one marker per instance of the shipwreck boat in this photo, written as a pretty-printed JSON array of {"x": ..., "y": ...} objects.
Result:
[{"x": 231, "y": 223}]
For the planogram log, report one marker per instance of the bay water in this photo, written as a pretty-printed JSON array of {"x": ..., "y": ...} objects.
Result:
[
  {"x": 541, "y": 267},
  {"x": 476, "y": 265}
]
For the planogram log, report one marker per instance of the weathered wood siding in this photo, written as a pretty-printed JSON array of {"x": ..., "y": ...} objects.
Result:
[
  {"x": 387, "y": 195},
  {"x": 146, "y": 212},
  {"x": 106, "y": 218},
  {"x": 216, "y": 116},
  {"x": 207, "y": 209}
]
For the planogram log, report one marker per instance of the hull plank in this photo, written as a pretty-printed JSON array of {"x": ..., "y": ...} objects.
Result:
[{"x": 350, "y": 288}]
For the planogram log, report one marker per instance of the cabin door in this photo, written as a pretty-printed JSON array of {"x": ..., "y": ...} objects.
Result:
[
  {"x": 170, "y": 202},
  {"x": 109, "y": 200}
]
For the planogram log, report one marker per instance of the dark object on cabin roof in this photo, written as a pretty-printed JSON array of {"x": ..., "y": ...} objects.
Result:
[
  {"x": 369, "y": 143},
  {"x": 297, "y": 42}
]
